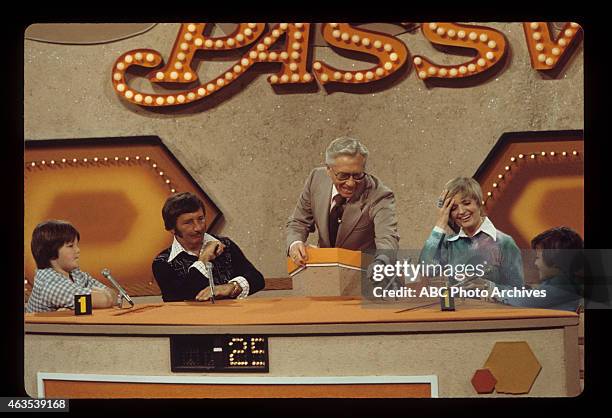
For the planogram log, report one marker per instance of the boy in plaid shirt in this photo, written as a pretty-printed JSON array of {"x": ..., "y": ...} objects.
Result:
[{"x": 55, "y": 247}]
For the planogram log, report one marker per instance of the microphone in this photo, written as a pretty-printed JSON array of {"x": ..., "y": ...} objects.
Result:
[{"x": 122, "y": 293}]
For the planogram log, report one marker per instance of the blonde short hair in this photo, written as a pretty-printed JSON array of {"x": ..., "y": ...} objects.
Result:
[{"x": 467, "y": 186}]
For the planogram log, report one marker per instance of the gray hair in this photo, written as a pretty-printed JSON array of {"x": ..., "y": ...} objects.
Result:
[{"x": 344, "y": 146}]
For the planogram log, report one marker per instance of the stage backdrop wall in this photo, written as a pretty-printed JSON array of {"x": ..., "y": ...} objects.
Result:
[{"x": 251, "y": 150}]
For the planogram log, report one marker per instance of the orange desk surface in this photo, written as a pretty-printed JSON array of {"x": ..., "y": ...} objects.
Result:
[{"x": 294, "y": 311}]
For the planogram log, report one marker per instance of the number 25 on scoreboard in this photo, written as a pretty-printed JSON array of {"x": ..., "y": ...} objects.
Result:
[{"x": 82, "y": 304}]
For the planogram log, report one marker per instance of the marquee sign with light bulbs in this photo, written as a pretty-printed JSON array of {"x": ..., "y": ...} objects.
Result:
[{"x": 390, "y": 53}]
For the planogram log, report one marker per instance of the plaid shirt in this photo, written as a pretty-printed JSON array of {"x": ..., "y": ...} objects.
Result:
[{"x": 52, "y": 290}]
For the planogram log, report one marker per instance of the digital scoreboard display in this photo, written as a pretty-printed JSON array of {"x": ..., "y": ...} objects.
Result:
[{"x": 219, "y": 353}]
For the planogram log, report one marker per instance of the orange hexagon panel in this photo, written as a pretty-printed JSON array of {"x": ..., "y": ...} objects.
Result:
[
  {"x": 112, "y": 190},
  {"x": 514, "y": 366},
  {"x": 534, "y": 181},
  {"x": 484, "y": 381}
]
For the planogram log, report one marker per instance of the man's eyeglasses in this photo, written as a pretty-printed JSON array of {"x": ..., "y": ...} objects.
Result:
[{"x": 346, "y": 176}]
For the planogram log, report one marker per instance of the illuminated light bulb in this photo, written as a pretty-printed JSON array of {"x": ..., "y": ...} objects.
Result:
[
  {"x": 388, "y": 47},
  {"x": 393, "y": 57},
  {"x": 273, "y": 79},
  {"x": 64, "y": 160},
  {"x": 229, "y": 76},
  {"x": 507, "y": 168},
  {"x": 161, "y": 173},
  {"x": 150, "y": 57},
  {"x": 337, "y": 75},
  {"x": 380, "y": 72},
  {"x": 513, "y": 159},
  {"x": 121, "y": 87},
  {"x": 543, "y": 154},
  {"x": 126, "y": 159},
  {"x": 252, "y": 25},
  {"x": 345, "y": 36},
  {"x": 388, "y": 65},
  {"x": 490, "y": 55},
  {"x": 201, "y": 91},
  {"x": 453, "y": 72},
  {"x": 273, "y": 56},
  {"x": 159, "y": 75},
  {"x": 317, "y": 65},
  {"x": 220, "y": 82},
  {"x": 184, "y": 46},
  {"x": 237, "y": 68},
  {"x": 95, "y": 159},
  {"x": 209, "y": 43},
  {"x": 253, "y": 54},
  {"x": 219, "y": 43},
  {"x": 261, "y": 47},
  {"x": 355, "y": 39},
  {"x": 365, "y": 42},
  {"x": 159, "y": 100},
  {"x": 533, "y": 156},
  {"x": 117, "y": 76},
  {"x": 295, "y": 55},
  {"x": 324, "y": 77},
  {"x": 188, "y": 37},
  {"x": 473, "y": 36},
  {"x": 432, "y": 70},
  {"x": 240, "y": 37},
  {"x": 359, "y": 76},
  {"x": 433, "y": 26},
  {"x": 120, "y": 66},
  {"x": 231, "y": 42},
  {"x": 369, "y": 75},
  {"x": 187, "y": 76},
  {"x": 550, "y": 61},
  {"x": 174, "y": 75},
  {"x": 299, "y": 25},
  {"x": 463, "y": 69},
  {"x": 33, "y": 164},
  {"x": 574, "y": 25},
  {"x": 244, "y": 62},
  {"x": 296, "y": 46},
  {"x": 191, "y": 95},
  {"x": 178, "y": 65},
  {"x": 129, "y": 94},
  {"x": 348, "y": 76},
  {"x": 489, "y": 194},
  {"x": 262, "y": 56},
  {"x": 148, "y": 100},
  {"x": 180, "y": 98},
  {"x": 494, "y": 184},
  {"x": 451, "y": 33},
  {"x": 248, "y": 32},
  {"x": 295, "y": 78},
  {"x": 336, "y": 34},
  {"x": 138, "y": 98},
  {"x": 284, "y": 55},
  {"x": 284, "y": 78},
  {"x": 461, "y": 34},
  {"x": 307, "y": 78},
  {"x": 575, "y": 152},
  {"x": 198, "y": 42},
  {"x": 293, "y": 66},
  {"x": 443, "y": 72},
  {"x": 441, "y": 31},
  {"x": 552, "y": 153},
  {"x": 191, "y": 27},
  {"x": 568, "y": 33},
  {"x": 492, "y": 44},
  {"x": 481, "y": 62},
  {"x": 116, "y": 159},
  {"x": 147, "y": 158},
  {"x": 483, "y": 37},
  {"x": 173, "y": 190},
  {"x": 333, "y": 25},
  {"x": 128, "y": 59},
  {"x": 170, "y": 100},
  {"x": 167, "y": 181},
  {"x": 471, "y": 68},
  {"x": 534, "y": 25},
  {"x": 283, "y": 26},
  {"x": 556, "y": 51},
  {"x": 267, "y": 40},
  {"x": 500, "y": 176},
  {"x": 536, "y": 36},
  {"x": 539, "y": 47},
  {"x": 541, "y": 57},
  {"x": 276, "y": 33},
  {"x": 377, "y": 44},
  {"x": 562, "y": 42},
  {"x": 417, "y": 61},
  {"x": 564, "y": 153}
]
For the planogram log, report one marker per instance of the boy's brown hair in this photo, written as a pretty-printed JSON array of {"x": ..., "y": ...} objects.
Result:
[{"x": 48, "y": 237}]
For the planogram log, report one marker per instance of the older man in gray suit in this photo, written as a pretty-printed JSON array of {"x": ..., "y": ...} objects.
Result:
[{"x": 350, "y": 208}]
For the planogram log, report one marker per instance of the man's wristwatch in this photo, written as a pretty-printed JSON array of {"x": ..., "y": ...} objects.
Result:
[{"x": 236, "y": 290}]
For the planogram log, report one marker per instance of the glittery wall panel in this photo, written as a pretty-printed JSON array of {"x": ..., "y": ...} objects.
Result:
[{"x": 253, "y": 150}]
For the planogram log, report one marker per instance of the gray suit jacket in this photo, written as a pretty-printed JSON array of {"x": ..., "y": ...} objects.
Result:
[{"x": 369, "y": 220}]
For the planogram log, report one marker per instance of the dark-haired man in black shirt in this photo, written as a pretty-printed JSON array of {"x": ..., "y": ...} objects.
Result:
[{"x": 184, "y": 270}]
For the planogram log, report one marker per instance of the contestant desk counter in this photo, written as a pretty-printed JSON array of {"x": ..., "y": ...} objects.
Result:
[{"x": 291, "y": 347}]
